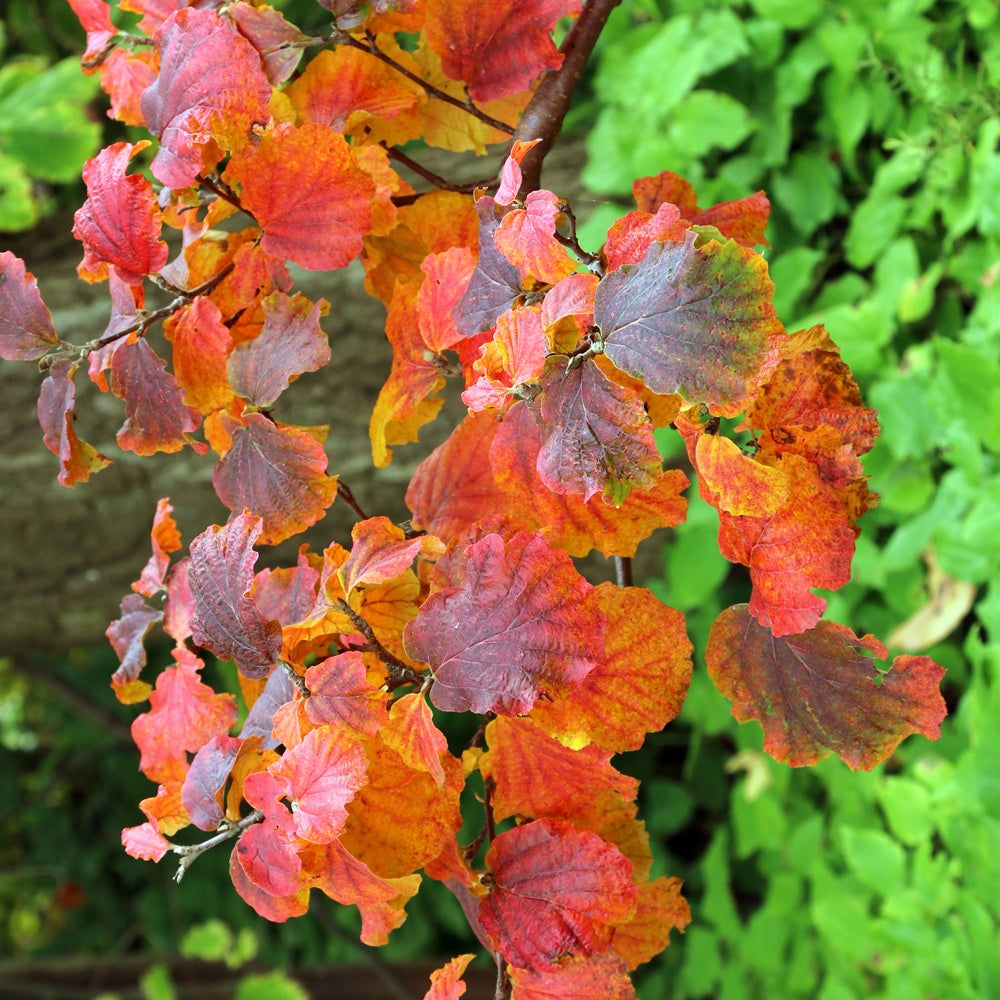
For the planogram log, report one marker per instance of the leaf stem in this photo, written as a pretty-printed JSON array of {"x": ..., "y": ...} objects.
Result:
[
  {"x": 345, "y": 494},
  {"x": 189, "y": 852},
  {"x": 432, "y": 91}
]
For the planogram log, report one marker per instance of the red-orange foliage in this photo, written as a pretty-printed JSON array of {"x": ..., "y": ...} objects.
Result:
[{"x": 340, "y": 778}]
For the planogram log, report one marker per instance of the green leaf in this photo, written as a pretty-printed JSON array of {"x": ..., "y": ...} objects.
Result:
[
  {"x": 875, "y": 858},
  {"x": 874, "y": 225},
  {"x": 270, "y": 986},
  {"x": 809, "y": 191},
  {"x": 156, "y": 984},
  {"x": 794, "y": 14}
]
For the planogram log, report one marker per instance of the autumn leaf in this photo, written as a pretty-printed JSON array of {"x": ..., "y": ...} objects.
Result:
[
  {"x": 320, "y": 776},
  {"x": 526, "y": 237},
  {"x": 26, "y": 330},
  {"x": 277, "y": 472},
  {"x": 596, "y": 436},
  {"x": 95, "y": 19},
  {"x": 226, "y": 621},
  {"x": 820, "y": 692},
  {"x": 520, "y": 623},
  {"x": 277, "y": 41},
  {"x": 401, "y": 818},
  {"x": 78, "y": 460},
  {"x": 201, "y": 344},
  {"x": 200, "y": 107},
  {"x": 307, "y": 193},
  {"x": 275, "y": 907},
  {"x": 639, "y": 686},
  {"x": 341, "y": 696},
  {"x": 495, "y": 284},
  {"x": 290, "y": 342},
  {"x": 350, "y": 882},
  {"x": 157, "y": 418},
  {"x": 203, "y": 785},
  {"x": 184, "y": 714},
  {"x": 659, "y": 910},
  {"x": 413, "y": 735},
  {"x": 698, "y": 321},
  {"x": 127, "y": 636},
  {"x": 535, "y": 776},
  {"x": 597, "y": 977},
  {"x": 446, "y": 982},
  {"x": 380, "y": 552},
  {"x": 556, "y": 891},
  {"x": 165, "y": 539},
  {"x": 497, "y": 50},
  {"x": 515, "y": 357},
  {"x": 119, "y": 223}
]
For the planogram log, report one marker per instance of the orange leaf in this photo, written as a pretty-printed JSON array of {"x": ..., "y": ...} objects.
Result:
[
  {"x": 597, "y": 977},
  {"x": 659, "y": 909},
  {"x": 446, "y": 983},
  {"x": 641, "y": 684},
  {"x": 401, "y": 819},
  {"x": 166, "y": 539},
  {"x": 413, "y": 735},
  {"x": 201, "y": 344},
  {"x": 820, "y": 692},
  {"x": 307, "y": 193},
  {"x": 341, "y": 697},
  {"x": 526, "y": 237},
  {"x": 536, "y": 776}
]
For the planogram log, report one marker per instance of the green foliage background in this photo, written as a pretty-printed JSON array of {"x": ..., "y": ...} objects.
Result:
[{"x": 874, "y": 128}]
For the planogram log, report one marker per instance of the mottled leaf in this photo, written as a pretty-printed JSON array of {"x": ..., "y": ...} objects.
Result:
[
  {"x": 277, "y": 472},
  {"x": 127, "y": 636},
  {"x": 165, "y": 539},
  {"x": 598, "y": 977},
  {"x": 342, "y": 697},
  {"x": 202, "y": 790},
  {"x": 446, "y": 982},
  {"x": 226, "y": 620},
  {"x": 210, "y": 91},
  {"x": 78, "y": 461},
  {"x": 820, "y": 692},
  {"x": 556, "y": 891},
  {"x": 521, "y": 623},
  {"x": 26, "y": 331},
  {"x": 698, "y": 321},
  {"x": 306, "y": 191}
]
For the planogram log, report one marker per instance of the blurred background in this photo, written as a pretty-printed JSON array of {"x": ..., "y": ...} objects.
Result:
[{"x": 874, "y": 130}]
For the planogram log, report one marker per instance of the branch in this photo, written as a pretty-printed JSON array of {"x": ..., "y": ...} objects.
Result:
[
  {"x": 189, "y": 852},
  {"x": 428, "y": 175},
  {"x": 400, "y": 673},
  {"x": 543, "y": 117}
]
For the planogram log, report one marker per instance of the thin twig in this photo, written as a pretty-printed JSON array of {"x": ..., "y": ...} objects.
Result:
[
  {"x": 345, "y": 494},
  {"x": 436, "y": 179},
  {"x": 189, "y": 852},
  {"x": 400, "y": 673},
  {"x": 429, "y": 88}
]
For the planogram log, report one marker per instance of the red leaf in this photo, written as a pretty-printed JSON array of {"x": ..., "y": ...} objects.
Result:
[
  {"x": 210, "y": 92},
  {"x": 26, "y": 331},
  {"x": 95, "y": 19},
  {"x": 496, "y": 49},
  {"x": 127, "y": 635},
  {"x": 513, "y": 358},
  {"x": 596, "y": 436},
  {"x": 125, "y": 76},
  {"x": 598, "y": 977},
  {"x": 690, "y": 320},
  {"x": 184, "y": 714},
  {"x": 510, "y": 173},
  {"x": 290, "y": 343},
  {"x": 307, "y": 192},
  {"x": 320, "y": 775},
  {"x": 446, "y": 277},
  {"x": 78, "y": 461},
  {"x": 342, "y": 697},
  {"x": 166, "y": 539},
  {"x": 156, "y": 416},
  {"x": 277, "y": 472},
  {"x": 119, "y": 223},
  {"x": 226, "y": 621},
  {"x": 556, "y": 891},
  {"x": 272, "y": 36},
  {"x": 278, "y": 908},
  {"x": 521, "y": 623},
  {"x": 820, "y": 692},
  {"x": 201, "y": 792}
]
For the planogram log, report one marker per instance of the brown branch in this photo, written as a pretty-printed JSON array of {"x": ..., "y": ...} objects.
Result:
[
  {"x": 623, "y": 571},
  {"x": 428, "y": 175},
  {"x": 543, "y": 117},
  {"x": 400, "y": 673},
  {"x": 345, "y": 494}
]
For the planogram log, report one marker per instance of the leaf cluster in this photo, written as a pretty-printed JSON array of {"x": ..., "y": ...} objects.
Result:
[{"x": 327, "y": 768}]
